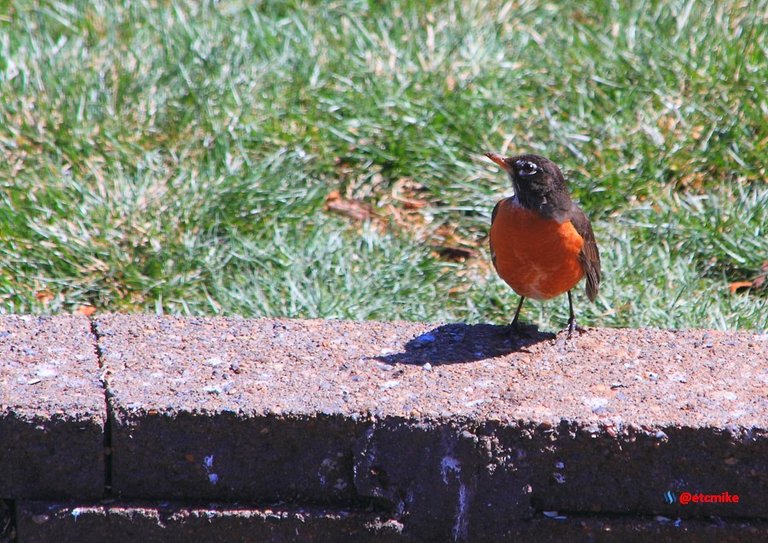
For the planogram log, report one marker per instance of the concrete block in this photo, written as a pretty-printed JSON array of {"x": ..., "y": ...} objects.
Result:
[
  {"x": 122, "y": 522},
  {"x": 52, "y": 409},
  {"x": 456, "y": 430}
]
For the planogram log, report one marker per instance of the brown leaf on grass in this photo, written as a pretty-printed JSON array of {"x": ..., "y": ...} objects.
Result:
[
  {"x": 455, "y": 291},
  {"x": 354, "y": 209},
  {"x": 86, "y": 310},
  {"x": 444, "y": 241},
  {"x": 696, "y": 132},
  {"x": 667, "y": 123},
  {"x": 452, "y": 246},
  {"x": 408, "y": 220},
  {"x": 758, "y": 282},
  {"x": 447, "y": 233},
  {"x": 409, "y": 193},
  {"x": 455, "y": 253},
  {"x": 44, "y": 296},
  {"x": 410, "y": 203},
  {"x": 693, "y": 181},
  {"x": 737, "y": 285},
  {"x": 402, "y": 209}
]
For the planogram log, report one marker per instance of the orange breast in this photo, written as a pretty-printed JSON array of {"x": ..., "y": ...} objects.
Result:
[{"x": 537, "y": 257}]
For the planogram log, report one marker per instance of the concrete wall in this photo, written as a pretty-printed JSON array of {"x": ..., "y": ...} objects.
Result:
[{"x": 143, "y": 428}]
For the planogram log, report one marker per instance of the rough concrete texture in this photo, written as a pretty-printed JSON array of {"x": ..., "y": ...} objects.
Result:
[
  {"x": 456, "y": 430},
  {"x": 52, "y": 409},
  {"x": 7, "y": 526},
  {"x": 597, "y": 529},
  {"x": 40, "y": 522},
  {"x": 441, "y": 479}
]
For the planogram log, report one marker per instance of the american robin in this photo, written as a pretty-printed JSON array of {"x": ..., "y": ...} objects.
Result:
[{"x": 542, "y": 243}]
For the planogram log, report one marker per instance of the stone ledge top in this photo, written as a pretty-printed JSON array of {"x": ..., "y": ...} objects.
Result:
[
  {"x": 49, "y": 367},
  {"x": 646, "y": 378}
]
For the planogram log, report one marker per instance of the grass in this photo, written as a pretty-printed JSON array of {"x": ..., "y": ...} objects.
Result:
[{"x": 177, "y": 157}]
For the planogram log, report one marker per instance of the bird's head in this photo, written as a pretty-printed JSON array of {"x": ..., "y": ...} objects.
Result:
[{"x": 537, "y": 181}]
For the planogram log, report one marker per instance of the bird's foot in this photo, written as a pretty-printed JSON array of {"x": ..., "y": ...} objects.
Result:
[{"x": 573, "y": 327}]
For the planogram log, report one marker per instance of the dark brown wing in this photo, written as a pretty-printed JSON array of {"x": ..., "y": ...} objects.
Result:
[
  {"x": 589, "y": 255},
  {"x": 493, "y": 218}
]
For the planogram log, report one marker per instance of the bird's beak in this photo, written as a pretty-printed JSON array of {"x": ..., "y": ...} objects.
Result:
[{"x": 498, "y": 159}]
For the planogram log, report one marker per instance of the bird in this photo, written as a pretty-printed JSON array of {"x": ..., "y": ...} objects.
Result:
[{"x": 541, "y": 241}]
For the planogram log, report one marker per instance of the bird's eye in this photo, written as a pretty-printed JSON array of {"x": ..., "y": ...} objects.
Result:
[{"x": 526, "y": 168}]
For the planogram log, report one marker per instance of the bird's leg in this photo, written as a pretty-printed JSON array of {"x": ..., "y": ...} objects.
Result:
[
  {"x": 572, "y": 318},
  {"x": 515, "y": 326}
]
